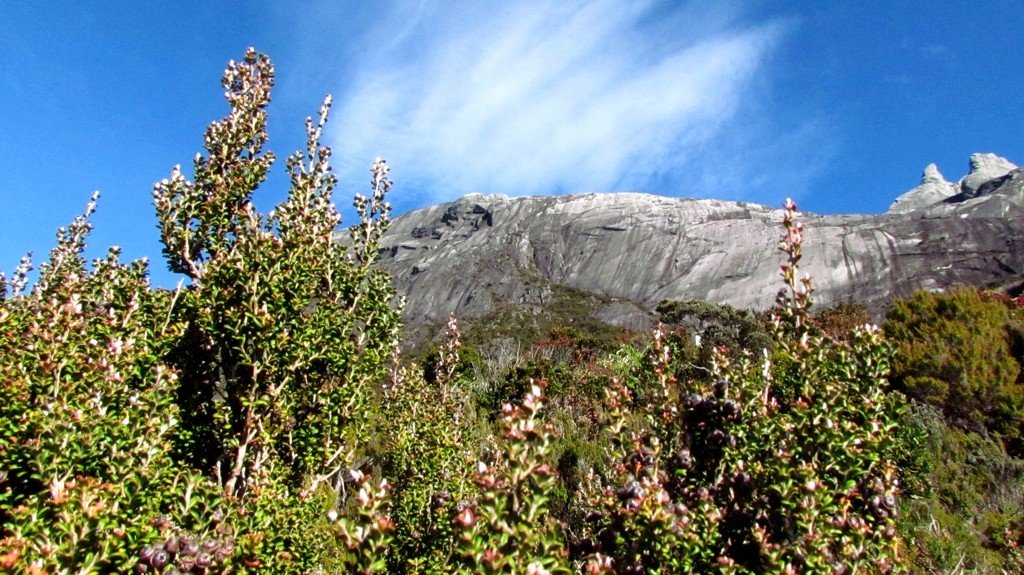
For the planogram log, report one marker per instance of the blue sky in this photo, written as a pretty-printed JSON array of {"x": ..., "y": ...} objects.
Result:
[{"x": 839, "y": 105}]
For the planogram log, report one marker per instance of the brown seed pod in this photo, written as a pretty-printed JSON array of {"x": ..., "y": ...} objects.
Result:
[
  {"x": 210, "y": 545},
  {"x": 160, "y": 558},
  {"x": 204, "y": 560}
]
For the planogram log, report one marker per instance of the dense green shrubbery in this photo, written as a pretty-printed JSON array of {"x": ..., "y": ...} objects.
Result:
[
  {"x": 961, "y": 352},
  {"x": 259, "y": 420},
  {"x": 776, "y": 467},
  {"x": 87, "y": 418},
  {"x": 272, "y": 354},
  {"x": 969, "y": 517},
  {"x": 842, "y": 319},
  {"x": 718, "y": 325}
]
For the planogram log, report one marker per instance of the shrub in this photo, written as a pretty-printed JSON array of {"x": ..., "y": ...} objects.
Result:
[
  {"x": 87, "y": 421},
  {"x": 971, "y": 518},
  {"x": 509, "y": 528},
  {"x": 958, "y": 351},
  {"x": 779, "y": 466},
  {"x": 429, "y": 441},
  {"x": 272, "y": 354},
  {"x": 840, "y": 320},
  {"x": 717, "y": 325},
  {"x": 241, "y": 424}
]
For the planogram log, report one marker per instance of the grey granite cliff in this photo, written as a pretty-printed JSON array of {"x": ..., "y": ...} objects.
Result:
[{"x": 481, "y": 253}]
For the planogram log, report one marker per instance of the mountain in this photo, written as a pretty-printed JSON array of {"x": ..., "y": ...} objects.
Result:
[{"x": 614, "y": 257}]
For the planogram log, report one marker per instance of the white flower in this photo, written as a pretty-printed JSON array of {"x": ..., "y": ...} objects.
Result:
[{"x": 536, "y": 568}]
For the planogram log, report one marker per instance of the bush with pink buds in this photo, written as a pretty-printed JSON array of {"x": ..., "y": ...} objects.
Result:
[{"x": 259, "y": 420}]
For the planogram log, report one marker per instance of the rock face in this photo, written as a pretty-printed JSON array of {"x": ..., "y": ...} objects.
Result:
[{"x": 483, "y": 253}]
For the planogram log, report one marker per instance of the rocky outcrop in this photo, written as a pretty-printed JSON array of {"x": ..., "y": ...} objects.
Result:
[
  {"x": 485, "y": 253},
  {"x": 984, "y": 168},
  {"x": 933, "y": 189}
]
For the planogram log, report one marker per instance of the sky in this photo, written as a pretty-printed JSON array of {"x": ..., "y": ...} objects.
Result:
[{"x": 839, "y": 105}]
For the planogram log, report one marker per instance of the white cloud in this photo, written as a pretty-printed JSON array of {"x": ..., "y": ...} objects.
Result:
[{"x": 545, "y": 97}]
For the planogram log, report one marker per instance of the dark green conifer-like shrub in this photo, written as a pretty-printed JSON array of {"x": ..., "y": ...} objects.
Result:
[{"x": 960, "y": 352}]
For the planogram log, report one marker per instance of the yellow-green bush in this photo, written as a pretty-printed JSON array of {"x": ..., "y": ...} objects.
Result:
[{"x": 959, "y": 351}]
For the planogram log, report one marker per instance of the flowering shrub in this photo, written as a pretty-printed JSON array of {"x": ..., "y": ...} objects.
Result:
[
  {"x": 366, "y": 531},
  {"x": 779, "y": 466},
  {"x": 428, "y": 438},
  {"x": 509, "y": 527},
  {"x": 246, "y": 423},
  {"x": 271, "y": 400},
  {"x": 87, "y": 421},
  {"x": 139, "y": 423}
]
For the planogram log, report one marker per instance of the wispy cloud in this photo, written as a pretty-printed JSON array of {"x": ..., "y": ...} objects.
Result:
[{"x": 547, "y": 97}]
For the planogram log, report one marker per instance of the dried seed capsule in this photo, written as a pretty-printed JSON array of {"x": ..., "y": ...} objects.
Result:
[
  {"x": 204, "y": 560},
  {"x": 189, "y": 546},
  {"x": 441, "y": 497},
  {"x": 585, "y": 546},
  {"x": 160, "y": 558},
  {"x": 717, "y": 437},
  {"x": 632, "y": 490},
  {"x": 210, "y": 545},
  {"x": 721, "y": 387},
  {"x": 683, "y": 459}
]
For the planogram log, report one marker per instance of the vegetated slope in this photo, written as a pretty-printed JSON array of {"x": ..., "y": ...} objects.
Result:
[{"x": 487, "y": 254}]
